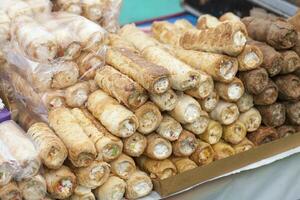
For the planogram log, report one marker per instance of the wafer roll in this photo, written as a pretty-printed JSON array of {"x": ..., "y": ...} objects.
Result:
[
  {"x": 263, "y": 135},
  {"x": 251, "y": 57},
  {"x": 152, "y": 77},
  {"x": 123, "y": 166},
  {"x": 185, "y": 145},
  {"x": 244, "y": 145},
  {"x": 234, "y": 133},
  {"x": 210, "y": 102},
  {"x": 166, "y": 32},
  {"x": 251, "y": 119},
  {"x": 169, "y": 128},
  {"x": 183, "y": 24},
  {"x": 213, "y": 132},
  {"x": 187, "y": 110},
  {"x": 77, "y": 94},
  {"x": 288, "y": 87},
  {"x": 160, "y": 169},
  {"x": 255, "y": 81},
  {"x": 222, "y": 150},
  {"x": 183, "y": 164},
  {"x": 291, "y": 62},
  {"x": 82, "y": 193},
  {"x": 33, "y": 188},
  {"x": 135, "y": 145},
  {"x": 81, "y": 149},
  {"x": 52, "y": 150},
  {"x": 273, "y": 115},
  {"x": 268, "y": 96},
  {"x": 113, "y": 188},
  {"x": 229, "y": 16},
  {"x": 138, "y": 185},
  {"x": 60, "y": 183},
  {"x": 149, "y": 117},
  {"x": 166, "y": 101},
  {"x": 205, "y": 87},
  {"x": 285, "y": 131},
  {"x": 72, "y": 6},
  {"x": 200, "y": 125},
  {"x": 293, "y": 113},
  {"x": 225, "y": 113},
  {"x": 207, "y": 21},
  {"x": 115, "y": 117},
  {"x": 263, "y": 14},
  {"x": 158, "y": 148},
  {"x": 204, "y": 153},
  {"x": 93, "y": 86},
  {"x": 230, "y": 92},
  {"x": 117, "y": 42},
  {"x": 92, "y": 9},
  {"x": 10, "y": 191},
  {"x": 88, "y": 63},
  {"x": 54, "y": 99},
  {"x": 245, "y": 102}
]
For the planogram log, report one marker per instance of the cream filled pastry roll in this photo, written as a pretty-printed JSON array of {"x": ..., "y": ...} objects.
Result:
[
  {"x": 166, "y": 101},
  {"x": 169, "y": 128},
  {"x": 123, "y": 166},
  {"x": 135, "y": 145},
  {"x": 244, "y": 145},
  {"x": 158, "y": 147},
  {"x": 121, "y": 87},
  {"x": 210, "y": 102},
  {"x": 250, "y": 58},
  {"x": 185, "y": 145},
  {"x": 149, "y": 117},
  {"x": 108, "y": 146},
  {"x": 88, "y": 63},
  {"x": 76, "y": 95},
  {"x": 187, "y": 109},
  {"x": 245, "y": 102},
  {"x": 82, "y": 193},
  {"x": 160, "y": 169},
  {"x": 93, "y": 9},
  {"x": 93, "y": 175},
  {"x": 226, "y": 113},
  {"x": 166, "y": 32},
  {"x": 234, "y": 133},
  {"x": 138, "y": 185},
  {"x": 285, "y": 131},
  {"x": 81, "y": 150},
  {"x": 200, "y": 125},
  {"x": 288, "y": 87},
  {"x": 232, "y": 91},
  {"x": 263, "y": 135},
  {"x": 117, "y": 41},
  {"x": 33, "y": 188},
  {"x": 204, "y": 153},
  {"x": 115, "y": 117},
  {"x": 251, "y": 119},
  {"x": 255, "y": 81},
  {"x": 213, "y": 132},
  {"x": 183, "y": 24},
  {"x": 268, "y": 96},
  {"x": 291, "y": 62},
  {"x": 222, "y": 150},
  {"x": 292, "y": 113},
  {"x": 229, "y": 16},
  {"x": 273, "y": 115},
  {"x": 113, "y": 188},
  {"x": 60, "y": 182},
  {"x": 52, "y": 150},
  {"x": 183, "y": 164},
  {"x": 71, "y": 6},
  {"x": 207, "y": 21},
  {"x": 10, "y": 191},
  {"x": 152, "y": 77}
]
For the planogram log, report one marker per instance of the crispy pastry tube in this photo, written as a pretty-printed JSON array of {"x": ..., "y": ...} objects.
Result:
[
  {"x": 54, "y": 99},
  {"x": 77, "y": 94},
  {"x": 149, "y": 118},
  {"x": 158, "y": 148},
  {"x": 52, "y": 150},
  {"x": 121, "y": 87},
  {"x": 294, "y": 20},
  {"x": 108, "y": 146},
  {"x": 169, "y": 128},
  {"x": 166, "y": 32},
  {"x": 123, "y": 166},
  {"x": 272, "y": 59},
  {"x": 222, "y": 150},
  {"x": 34, "y": 40},
  {"x": 250, "y": 58},
  {"x": 183, "y": 24},
  {"x": 279, "y": 34},
  {"x": 185, "y": 145},
  {"x": 187, "y": 110},
  {"x": 33, "y": 188},
  {"x": 255, "y": 81},
  {"x": 115, "y": 117},
  {"x": 135, "y": 145},
  {"x": 117, "y": 42},
  {"x": 207, "y": 21},
  {"x": 88, "y": 63},
  {"x": 182, "y": 77},
  {"x": 152, "y": 77},
  {"x": 244, "y": 145},
  {"x": 21, "y": 149},
  {"x": 231, "y": 39},
  {"x": 200, "y": 125},
  {"x": 204, "y": 153},
  {"x": 288, "y": 87},
  {"x": 161, "y": 169},
  {"x": 93, "y": 86},
  {"x": 205, "y": 87},
  {"x": 263, "y": 14},
  {"x": 245, "y": 102},
  {"x": 293, "y": 112},
  {"x": 60, "y": 183},
  {"x": 291, "y": 62},
  {"x": 234, "y": 133},
  {"x": 230, "y": 92},
  {"x": 71, "y": 6},
  {"x": 82, "y": 193},
  {"x": 92, "y": 9},
  {"x": 183, "y": 164},
  {"x": 226, "y": 113},
  {"x": 229, "y": 16},
  {"x": 94, "y": 175},
  {"x": 166, "y": 101},
  {"x": 221, "y": 67},
  {"x": 263, "y": 135},
  {"x": 210, "y": 102},
  {"x": 268, "y": 95},
  {"x": 251, "y": 119},
  {"x": 213, "y": 132},
  {"x": 81, "y": 149},
  {"x": 273, "y": 115},
  {"x": 138, "y": 185},
  {"x": 285, "y": 131},
  {"x": 113, "y": 188},
  {"x": 10, "y": 192}
]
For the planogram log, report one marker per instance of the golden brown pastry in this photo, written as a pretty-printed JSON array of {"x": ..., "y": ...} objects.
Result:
[
  {"x": 135, "y": 145},
  {"x": 138, "y": 185},
  {"x": 113, "y": 188},
  {"x": 183, "y": 164},
  {"x": 204, "y": 153},
  {"x": 169, "y": 128},
  {"x": 158, "y": 147},
  {"x": 222, "y": 150},
  {"x": 123, "y": 166},
  {"x": 185, "y": 145}
]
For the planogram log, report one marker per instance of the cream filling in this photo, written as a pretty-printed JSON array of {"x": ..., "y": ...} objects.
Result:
[
  {"x": 116, "y": 194},
  {"x": 141, "y": 188},
  {"x": 252, "y": 123},
  {"x": 239, "y": 39},
  {"x": 190, "y": 83},
  {"x": 211, "y": 103},
  {"x": 75, "y": 9},
  {"x": 214, "y": 135},
  {"x": 124, "y": 168},
  {"x": 127, "y": 128},
  {"x": 136, "y": 147},
  {"x": 111, "y": 151},
  {"x": 191, "y": 113},
  {"x": 251, "y": 59},
  {"x": 227, "y": 70},
  {"x": 80, "y": 96},
  {"x": 235, "y": 92},
  {"x": 95, "y": 13},
  {"x": 200, "y": 125},
  {"x": 161, "y": 85},
  {"x": 205, "y": 88},
  {"x": 170, "y": 101},
  {"x": 161, "y": 150},
  {"x": 97, "y": 173},
  {"x": 277, "y": 115},
  {"x": 229, "y": 115},
  {"x": 148, "y": 121},
  {"x": 65, "y": 186},
  {"x": 187, "y": 146},
  {"x": 172, "y": 133}
]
